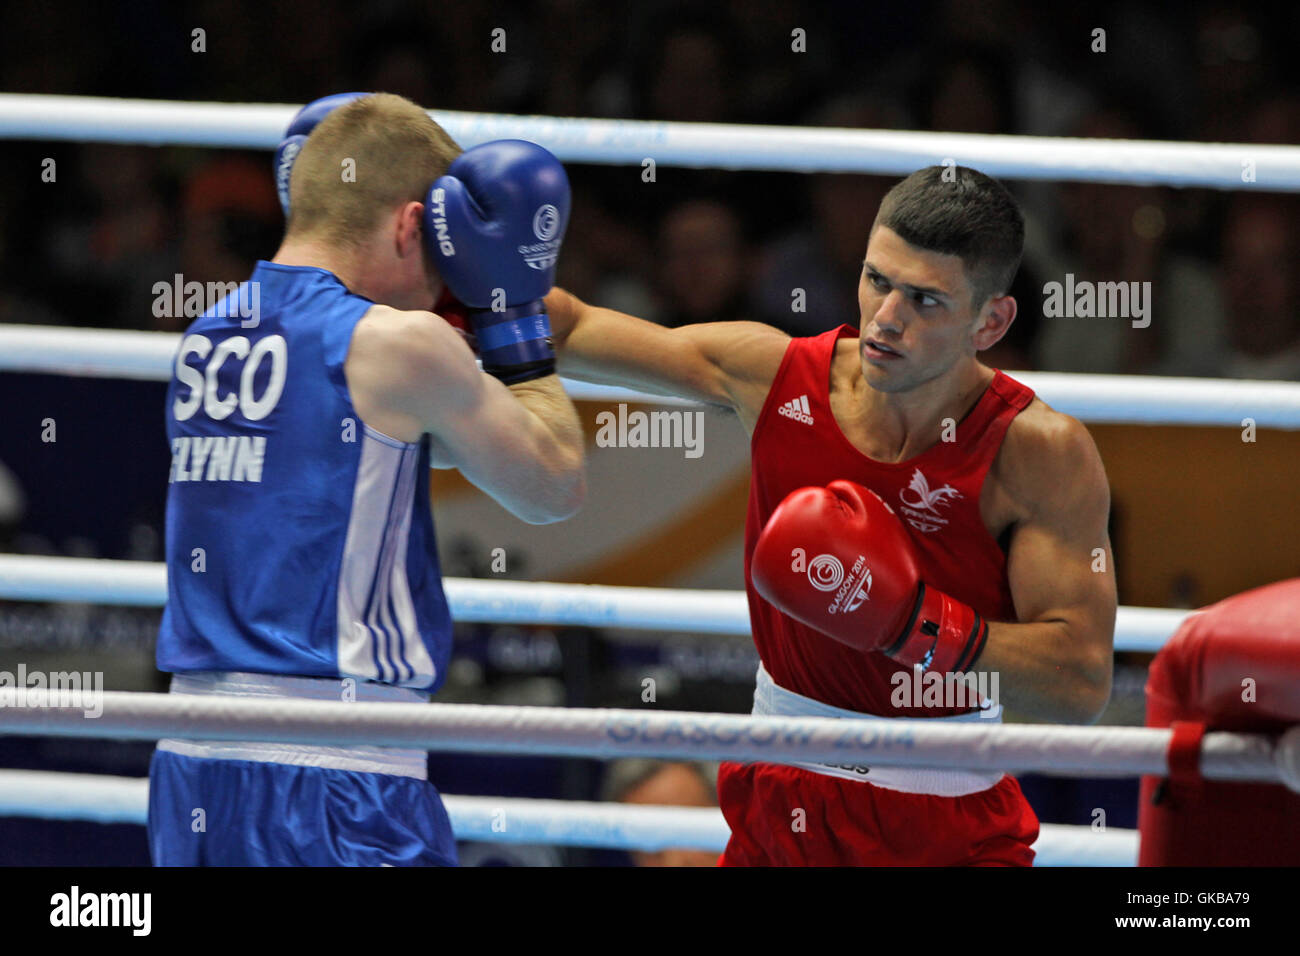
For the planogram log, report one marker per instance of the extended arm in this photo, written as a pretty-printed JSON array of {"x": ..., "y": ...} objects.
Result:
[{"x": 731, "y": 364}]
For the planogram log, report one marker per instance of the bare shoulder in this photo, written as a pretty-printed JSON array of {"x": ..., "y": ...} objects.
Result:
[
  {"x": 764, "y": 339},
  {"x": 386, "y": 328},
  {"x": 404, "y": 346},
  {"x": 1049, "y": 460},
  {"x": 748, "y": 351},
  {"x": 394, "y": 358},
  {"x": 743, "y": 358}
]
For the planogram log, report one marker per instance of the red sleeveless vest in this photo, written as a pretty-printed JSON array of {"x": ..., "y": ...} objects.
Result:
[{"x": 797, "y": 443}]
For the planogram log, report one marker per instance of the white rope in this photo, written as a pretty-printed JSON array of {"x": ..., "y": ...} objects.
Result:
[
  {"x": 587, "y": 824},
  {"x": 144, "y": 584},
  {"x": 103, "y": 799},
  {"x": 1063, "y": 845},
  {"x": 709, "y": 145},
  {"x": 102, "y": 353},
  {"x": 99, "y": 798},
  {"x": 1111, "y": 399},
  {"x": 597, "y": 605},
  {"x": 606, "y": 734},
  {"x": 83, "y": 580},
  {"x": 1157, "y": 400}
]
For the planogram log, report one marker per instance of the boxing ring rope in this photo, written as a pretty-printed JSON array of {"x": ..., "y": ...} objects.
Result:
[
  {"x": 475, "y": 728},
  {"x": 672, "y": 735},
  {"x": 144, "y": 584},
  {"x": 710, "y": 145},
  {"x": 1103, "y": 399},
  {"x": 106, "y": 799}
]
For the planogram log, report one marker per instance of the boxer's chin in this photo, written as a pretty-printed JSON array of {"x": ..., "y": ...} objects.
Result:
[{"x": 887, "y": 379}]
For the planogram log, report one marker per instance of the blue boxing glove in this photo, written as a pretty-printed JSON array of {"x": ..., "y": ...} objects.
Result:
[
  {"x": 494, "y": 225},
  {"x": 300, "y": 127}
]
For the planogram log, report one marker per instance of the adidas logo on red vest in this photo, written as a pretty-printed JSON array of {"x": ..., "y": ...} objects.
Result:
[{"x": 797, "y": 408}]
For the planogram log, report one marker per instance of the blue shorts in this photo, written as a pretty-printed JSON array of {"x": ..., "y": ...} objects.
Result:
[{"x": 270, "y": 814}]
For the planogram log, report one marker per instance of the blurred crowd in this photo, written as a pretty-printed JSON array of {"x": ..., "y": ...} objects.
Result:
[{"x": 697, "y": 245}]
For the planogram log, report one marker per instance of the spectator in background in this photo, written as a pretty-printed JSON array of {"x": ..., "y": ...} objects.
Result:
[
  {"x": 232, "y": 219},
  {"x": 109, "y": 245},
  {"x": 824, "y": 257},
  {"x": 400, "y": 58},
  {"x": 777, "y": 85},
  {"x": 689, "y": 69},
  {"x": 973, "y": 88},
  {"x": 656, "y": 783},
  {"x": 1121, "y": 234},
  {"x": 1233, "y": 69},
  {"x": 13, "y": 505},
  {"x": 605, "y": 253},
  {"x": 19, "y": 267},
  {"x": 1261, "y": 288},
  {"x": 572, "y": 68},
  {"x": 823, "y": 260},
  {"x": 968, "y": 90},
  {"x": 1275, "y": 120},
  {"x": 703, "y": 264},
  {"x": 687, "y": 66}
]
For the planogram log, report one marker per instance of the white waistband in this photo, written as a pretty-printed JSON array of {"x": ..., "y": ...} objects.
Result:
[
  {"x": 390, "y": 760},
  {"x": 771, "y": 699},
  {"x": 241, "y": 684}
]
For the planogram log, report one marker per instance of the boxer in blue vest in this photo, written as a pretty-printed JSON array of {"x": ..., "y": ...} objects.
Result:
[{"x": 300, "y": 545}]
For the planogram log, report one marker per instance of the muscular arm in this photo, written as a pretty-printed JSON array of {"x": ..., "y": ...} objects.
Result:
[
  {"x": 731, "y": 364},
  {"x": 411, "y": 373},
  {"x": 1056, "y": 664}
]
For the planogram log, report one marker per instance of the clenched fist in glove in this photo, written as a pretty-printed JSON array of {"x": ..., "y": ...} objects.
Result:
[
  {"x": 494, "y": 225},
  {"x": 860, "y": 583}
]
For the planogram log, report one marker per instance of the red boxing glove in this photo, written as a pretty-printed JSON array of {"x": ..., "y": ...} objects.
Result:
[
  {"x": 839, "y": 560},
  {"x": 456, "y": 315}
]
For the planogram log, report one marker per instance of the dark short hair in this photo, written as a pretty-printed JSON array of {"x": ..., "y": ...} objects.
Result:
[{"x": 958, "y": 211}]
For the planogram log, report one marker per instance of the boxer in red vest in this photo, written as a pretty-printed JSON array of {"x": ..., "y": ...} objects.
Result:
[{"x": 913, "y": 514}]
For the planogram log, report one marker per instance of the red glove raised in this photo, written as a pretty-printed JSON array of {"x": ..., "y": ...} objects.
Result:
[
  {"x": 457, "y": 316},
  {"x": 839, "y": 560}
]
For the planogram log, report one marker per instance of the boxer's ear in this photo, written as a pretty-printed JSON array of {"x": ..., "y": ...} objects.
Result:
[{"x": 993, "y": 322}]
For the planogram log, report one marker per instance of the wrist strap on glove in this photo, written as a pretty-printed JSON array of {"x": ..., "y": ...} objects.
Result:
[
  {"x": 942, "y": 635},
  {"x": 515, "y": 343}
]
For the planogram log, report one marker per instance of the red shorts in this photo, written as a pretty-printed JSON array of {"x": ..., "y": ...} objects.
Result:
[{"x": 851, "y": 823}]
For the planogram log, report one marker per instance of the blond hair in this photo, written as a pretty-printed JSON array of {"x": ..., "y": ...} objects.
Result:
[{"x": 363, "y": 160}]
